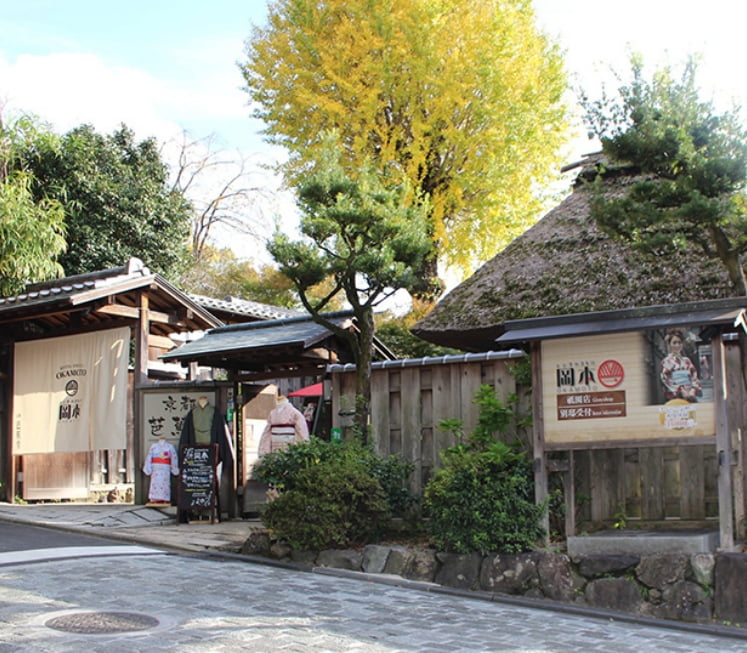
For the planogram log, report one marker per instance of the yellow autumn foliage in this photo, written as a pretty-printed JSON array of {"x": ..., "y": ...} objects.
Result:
[{"x": 461, "y": 97}]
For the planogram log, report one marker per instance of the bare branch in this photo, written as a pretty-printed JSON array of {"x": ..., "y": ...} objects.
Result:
[{"x": 225, "y": 190}]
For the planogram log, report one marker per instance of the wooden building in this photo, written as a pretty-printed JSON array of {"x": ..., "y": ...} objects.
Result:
[
  {"x": 61, "y": 316},
  {"x": 576, "y": 299},
  {"x": 289, "y": 353}
]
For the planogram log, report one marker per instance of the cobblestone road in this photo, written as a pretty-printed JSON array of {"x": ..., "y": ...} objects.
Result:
[{"x": 212, "y": 605}]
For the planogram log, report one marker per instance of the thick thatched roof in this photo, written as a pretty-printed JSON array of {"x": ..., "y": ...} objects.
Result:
[{"x": 564, "y": 264}]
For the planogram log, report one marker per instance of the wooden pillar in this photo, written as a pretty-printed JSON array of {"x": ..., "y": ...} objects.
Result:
[
  {"x": 540, "y": 457},
  {"x": 570, "y": 496},
  {"x": 238, "y": 435},
  {"x": 723, "y": 446},
  {"x": 8, "y": 459},
  {"x": 412, "y": 437},
  {"x": 141, "y": 342},
  {"x": 736, "y": 399},
  {"x": 142, "y": 329},
  {"x": 233, "y": 420},
  {"x": 565, "y": 467}
]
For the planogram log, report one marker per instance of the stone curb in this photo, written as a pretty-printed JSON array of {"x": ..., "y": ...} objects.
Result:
[
  {"x": 107, "y": 533},
  {"x": 259, "y": 560}
]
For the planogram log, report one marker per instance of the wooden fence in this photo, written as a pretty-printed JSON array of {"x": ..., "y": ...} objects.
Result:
[
  {"x": 692, "y": 482},
  {"x": 651, "y": 484},
  {"x": 410, "y": 397}
]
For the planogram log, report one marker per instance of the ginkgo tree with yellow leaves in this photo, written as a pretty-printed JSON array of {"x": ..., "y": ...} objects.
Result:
[{"x": 463, "y": 99}]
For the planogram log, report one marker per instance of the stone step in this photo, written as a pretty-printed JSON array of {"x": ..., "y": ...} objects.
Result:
[{"x": 633, "y": 542}]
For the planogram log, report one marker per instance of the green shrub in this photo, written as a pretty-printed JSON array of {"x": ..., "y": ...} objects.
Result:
[
  {"x": 393, "y": 473},
  {"x": 281, "y": 469},
  {"x": 335, "y": 503},
  {"x": 478, "y": 503},
  {"x": 482, "y": 499}
]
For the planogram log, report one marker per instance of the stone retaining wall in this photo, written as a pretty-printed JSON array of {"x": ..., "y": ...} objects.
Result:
[{"x": 699, "y": 588}]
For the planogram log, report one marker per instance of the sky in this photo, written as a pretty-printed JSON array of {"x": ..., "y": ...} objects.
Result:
[
  {"x": 598, "y": 37},
  {"x": 165, "y": 66},
  {"x": 158, "y": 65}
]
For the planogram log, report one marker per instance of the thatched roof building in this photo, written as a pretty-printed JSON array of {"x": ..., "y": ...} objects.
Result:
[{"x": 564, "y": 264}]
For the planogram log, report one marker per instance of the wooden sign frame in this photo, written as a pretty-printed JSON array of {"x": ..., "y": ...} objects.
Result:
[{"x": 198, "y": 482}]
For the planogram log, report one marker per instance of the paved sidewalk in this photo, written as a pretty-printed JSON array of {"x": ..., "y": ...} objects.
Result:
[{"x": 132, "y": 523}]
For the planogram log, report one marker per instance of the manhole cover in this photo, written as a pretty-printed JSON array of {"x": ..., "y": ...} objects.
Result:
[{"x": 102, "y": 623}]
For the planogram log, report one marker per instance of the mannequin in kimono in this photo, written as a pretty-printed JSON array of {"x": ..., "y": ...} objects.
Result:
[
  {"x": 204, "y": 424},
  {"x": 161, "y": 463},
  {"x": 285, "y": 424}
]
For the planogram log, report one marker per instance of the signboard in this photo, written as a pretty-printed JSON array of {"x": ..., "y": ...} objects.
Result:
[
  {"x": 198, "y": 481},
  {"x": 164, "y": 414},
  {"x": 627, "y": 386}
]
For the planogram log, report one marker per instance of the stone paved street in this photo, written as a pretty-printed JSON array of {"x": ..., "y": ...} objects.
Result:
[{"x": 204, "y": 604}]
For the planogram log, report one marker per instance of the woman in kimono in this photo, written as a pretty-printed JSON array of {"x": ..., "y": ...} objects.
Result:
[{"x": 678, "y": 373}]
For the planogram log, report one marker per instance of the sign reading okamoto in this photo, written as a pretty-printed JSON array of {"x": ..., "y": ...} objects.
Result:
[
  {"x": 70, "y": 393},
  {"x": 627, "y": 386}
]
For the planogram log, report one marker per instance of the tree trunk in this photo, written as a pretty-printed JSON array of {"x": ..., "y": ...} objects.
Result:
[
  {"x": 430, "y": 287},
  {"x": 363, "y": 373},
  {"x": 731, "y": 260}
]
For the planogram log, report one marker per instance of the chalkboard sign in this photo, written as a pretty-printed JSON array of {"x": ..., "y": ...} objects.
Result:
[{"x": 198, "y": 481}]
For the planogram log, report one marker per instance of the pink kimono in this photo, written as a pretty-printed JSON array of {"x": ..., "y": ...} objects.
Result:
[
  {"x": 285, "y": 424},
  {"x": 161, "y": 461}
]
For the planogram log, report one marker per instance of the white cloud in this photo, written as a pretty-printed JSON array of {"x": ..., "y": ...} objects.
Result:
[
  {"x": 67, "y": 90},
  {"x": 599, "y": 37},
  {"x": 70, "y": 89}
]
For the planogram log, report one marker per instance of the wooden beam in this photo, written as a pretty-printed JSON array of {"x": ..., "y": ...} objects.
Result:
[
  {"x": 279, "y": 374},
  {"x": 632, "y": 443},
  {"x": 71, "y": 331},
  {"x": 321, "y": 354},
  {"x": 133, "y": 312},
  {"x": 162, "y": 342},
  {"x": 31, "y": 313}
]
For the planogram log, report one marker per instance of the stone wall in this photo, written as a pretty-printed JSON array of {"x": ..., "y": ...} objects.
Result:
[{"x": 698, "y": 588}]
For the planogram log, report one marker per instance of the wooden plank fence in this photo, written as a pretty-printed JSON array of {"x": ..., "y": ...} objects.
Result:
[
  {"x": 645, "y": 484},
  {"x": 654, "y": 484},
  {"x": 410, "y": 397}
]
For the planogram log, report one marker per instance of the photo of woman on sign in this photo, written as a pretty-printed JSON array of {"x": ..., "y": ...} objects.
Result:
[{"x": 677, "y": 372}]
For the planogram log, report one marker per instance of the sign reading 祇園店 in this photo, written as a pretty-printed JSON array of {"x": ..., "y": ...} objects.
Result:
[{"x": 628, "y": 386}]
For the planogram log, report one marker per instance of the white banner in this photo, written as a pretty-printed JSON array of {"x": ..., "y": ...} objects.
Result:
[{"x": 70, "y": 393}]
